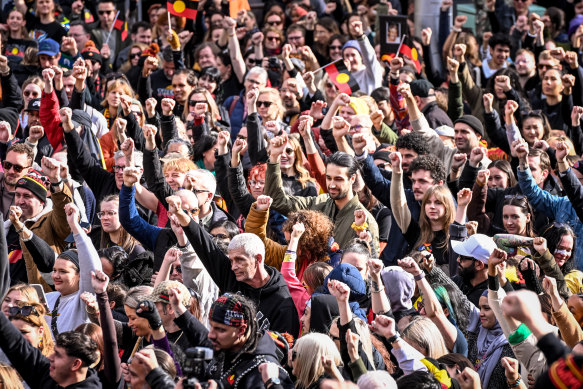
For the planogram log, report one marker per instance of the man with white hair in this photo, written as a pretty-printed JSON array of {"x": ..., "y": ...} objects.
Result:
[
  {"x": 204, "y": 185},
  {"x": 243, "y": 271}
]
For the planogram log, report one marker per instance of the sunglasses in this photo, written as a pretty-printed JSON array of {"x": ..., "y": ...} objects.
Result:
[
  {"x": 8, "y": 165},
  {"x": 108, "y": 12},
  {"x": 273, "y": 38},
  {"x": 26, "y": 310},
  {"x": 177, "y": 269},
  {"x": 336, "y": 47},
  {"x": 135, "y": 55},
  {"x": 255, "y": 61},
  {"x": 197, "y": 191},
  {"x": 265, "y": 104},
  {"x": 106, "y": 213},
  {"x": 289, "y": 151},
  {"x": 118, "y": 169},
  {"x": 28, "y": 93},
  {"x": 273, "y": 23},
  {"x": 193, "y": 103}
]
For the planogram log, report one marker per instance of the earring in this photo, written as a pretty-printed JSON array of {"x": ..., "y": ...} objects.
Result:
[{"x": 40, "y": 344}]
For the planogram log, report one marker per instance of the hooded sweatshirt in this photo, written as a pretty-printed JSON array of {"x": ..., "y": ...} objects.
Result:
[{"x": 275, "y": 307}]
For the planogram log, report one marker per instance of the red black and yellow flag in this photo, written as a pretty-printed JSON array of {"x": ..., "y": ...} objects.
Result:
[
  {"x": 341, "y": 77},
  {"x": 183, "y": 8},
  {"x": 121, "y": 25},
  {"x": 408, "y": 49}
]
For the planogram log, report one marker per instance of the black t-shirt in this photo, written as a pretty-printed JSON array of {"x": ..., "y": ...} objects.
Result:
[
  {"x": 437, "y": 246},
  {"x": 228, "y": 88},
  {"x": 40, "y": 31},
  {"x": 15, "y": 48}
]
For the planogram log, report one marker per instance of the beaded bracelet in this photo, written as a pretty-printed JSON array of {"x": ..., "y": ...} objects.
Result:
[{"x": 515, "y": 383}]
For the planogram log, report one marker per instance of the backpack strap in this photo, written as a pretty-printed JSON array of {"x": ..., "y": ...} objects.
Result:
[{"x": 233, "y": 104}]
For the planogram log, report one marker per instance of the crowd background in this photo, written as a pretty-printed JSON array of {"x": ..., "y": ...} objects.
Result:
[{"x": 202, "y": 195}]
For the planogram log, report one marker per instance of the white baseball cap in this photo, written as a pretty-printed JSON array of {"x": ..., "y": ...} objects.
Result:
[{"x": 477, "y": 246}]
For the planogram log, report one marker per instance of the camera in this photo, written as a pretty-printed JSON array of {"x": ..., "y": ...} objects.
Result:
[
  {"x": 194, "y": 369},
  {"x": 274, "y": 63}
]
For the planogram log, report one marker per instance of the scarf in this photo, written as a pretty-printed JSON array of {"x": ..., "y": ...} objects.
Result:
[{"x": 489, "y": 345}]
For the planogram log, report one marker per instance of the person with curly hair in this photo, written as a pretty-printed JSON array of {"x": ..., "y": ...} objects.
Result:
[{"x": 313, "y": 246}]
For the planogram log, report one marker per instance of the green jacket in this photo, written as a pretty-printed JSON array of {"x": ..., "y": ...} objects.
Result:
[{"x": 342, "y": 219}]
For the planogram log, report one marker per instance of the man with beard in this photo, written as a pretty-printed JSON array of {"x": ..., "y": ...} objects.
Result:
[
  {"x": 290, "y": 93},
  {"x": 472, "y": 277},
  {"x": 338, "y": 204},
  {"x": 17, "y": 164}
]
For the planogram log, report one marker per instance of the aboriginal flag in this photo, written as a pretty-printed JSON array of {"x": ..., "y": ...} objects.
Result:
[
  {"x": 341, "y": 77},
  {"x": 183, "y": 8},
  {"x": 408, "y": 49},
  {"x": 121, "y": 25}
]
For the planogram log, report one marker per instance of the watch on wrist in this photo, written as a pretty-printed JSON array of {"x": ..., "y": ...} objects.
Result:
[
  {"x": 272, "y": 381},
  {"x": 394, "y": 338}
]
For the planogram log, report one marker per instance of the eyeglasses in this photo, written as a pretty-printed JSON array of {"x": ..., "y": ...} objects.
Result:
[
  {"x": 335, "y": 47},
  {"x": 543, "y": 66},
  {"x": 118, "y": 168},
  {"x": 197, "y": 191},
  {"x": 357, "y": 127},
  {"x": 193, "y": 103},
  {"x": 26, "y": 310},
  {"x": 289, "y": 151},
  {"x": 9, "y": 165},
  {"x": 135, "y": 55},
  {"x": 273, "y": 38},
  {"x": 220, "y": 236},
  {"x": 265, "y": 104},
  {"x": 256, "y": 182},
  {"x": 108, "y": 12},
  {"x": 101, "y": 214}
]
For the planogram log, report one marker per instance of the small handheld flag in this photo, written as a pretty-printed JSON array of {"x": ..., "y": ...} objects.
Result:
[
  {"x": 406, "y": 48},
  {"x": 341, "y": 77},
  {"x": 183, "y": 8},
  {"x": 121, "y": 25}
]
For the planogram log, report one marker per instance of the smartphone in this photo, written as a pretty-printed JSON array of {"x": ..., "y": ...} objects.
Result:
[{"x": 41, "y": 295}]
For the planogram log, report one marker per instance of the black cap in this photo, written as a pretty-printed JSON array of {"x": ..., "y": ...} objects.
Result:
[
  {"x": 422, "y": 88},
  {"x": 382, "y": 155},
  {"x": 33, "y": 105},
  {"x": 473, "y": 122}
]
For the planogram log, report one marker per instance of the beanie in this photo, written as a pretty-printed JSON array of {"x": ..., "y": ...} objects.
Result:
[
  {"x": 71, "y": 255},
  {"x": 473, "y": 122},
  {"x": 91, "y": 52},
  {"x": 36, "y": 183},
  {"x": 228, "y": 310},
  {"x": 359, "y": 106},
  {"x": 352, "y": 44}
]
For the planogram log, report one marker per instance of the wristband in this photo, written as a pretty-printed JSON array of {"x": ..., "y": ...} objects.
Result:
[
  {"x": 419, "y": 276},
  {"x": 515, "y": 383},
  {"x": 56, "y": 183},
  {"x": 394, "y": 338},
  {"x": 22, "y": 229}
]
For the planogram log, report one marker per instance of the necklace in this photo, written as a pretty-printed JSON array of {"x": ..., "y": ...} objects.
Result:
[{"x": 179, "y": 336}]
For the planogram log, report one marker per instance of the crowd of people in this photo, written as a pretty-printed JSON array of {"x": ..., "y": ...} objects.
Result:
[{"x": 201, "y": 195}]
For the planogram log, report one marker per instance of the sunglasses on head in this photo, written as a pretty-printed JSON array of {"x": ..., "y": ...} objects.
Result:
[
  {"x": 26, "y": 310},
  {"x": 193, "y": 103},
  {"x": 9, "y": 165}
]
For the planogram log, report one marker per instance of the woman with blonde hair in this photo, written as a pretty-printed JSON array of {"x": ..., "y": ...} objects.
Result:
[
  {"x": 16, "y": 294},
  {"x": 136, "y": 50},
  {"x": 425, "y": 337},
  {"x": 112, "y": 101},
  {"x": 9, "y": 377},
  {"x": 29, "y": 318},
  {"x": 269, "y": 105},
  {"x": 438, "y": 211},
  {"x": 307, "y": 356}
]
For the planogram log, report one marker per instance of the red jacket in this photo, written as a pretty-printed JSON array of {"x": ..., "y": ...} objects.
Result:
[{"x": 50, "y": 119}]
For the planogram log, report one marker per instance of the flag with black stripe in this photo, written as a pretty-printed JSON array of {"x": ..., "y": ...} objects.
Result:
[{"x": 341, "y": 77}]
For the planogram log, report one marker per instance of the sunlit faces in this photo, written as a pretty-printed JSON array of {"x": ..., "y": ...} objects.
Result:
[
  {"x": 60, "y": 365},
  {"x": 30, "y": 92},
  {"x": 224, "y": 337},
  {"x": 352, "y": 59},
  {"x": 65, "y": 276},
  {"x": 17, "y": 161},
  {"x": 421, "y": 181},
  {"x": 139, "y": 325},
  {"x": 28, "y": 202},
  {"x": 45, "y": 7},
  {"x": 30, "y": 332},
  {"x": 181, "y": 88},
  {"x": 106, "y": 12},
  {"x": 358, "y": 261},
  {"x": 338, "y": 183},
  {"x": 500, "y": 54},
  {"x": 206, "y": 57},
  {"x": 243, "y": 265},
  {"x": 487, "y": 317},
  {"x": 532, "y": 130},
  {"x": 564, "y": 250},
  {"x": 109, "y": 216},
  {"x": 288, "y": 157},
  {"x": 434, "y": 209},
  {"x": 525, "y": 64},
  {"x": 497, "y": 178},
  {"x": 335, "y": 50},
  {"x": 11, "y": 300},
  {"x": 465, "y": 137},
  {"x": 305, "y": 319},
  {"x": 346, "y": 112},
  {"x": 515, "y": 220},
  {"x": 114, "y": 97},
  {"x": 174, "y": 178},
  {"x": 538, "y": 174},
  {"x": 551, "y": 83}
]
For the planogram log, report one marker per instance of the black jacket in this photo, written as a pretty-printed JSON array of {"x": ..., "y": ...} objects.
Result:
[
  {"x": 27, "y": 359},
  {"x": 275, "y": 307},
  {"x": 436, "y": 116}
]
